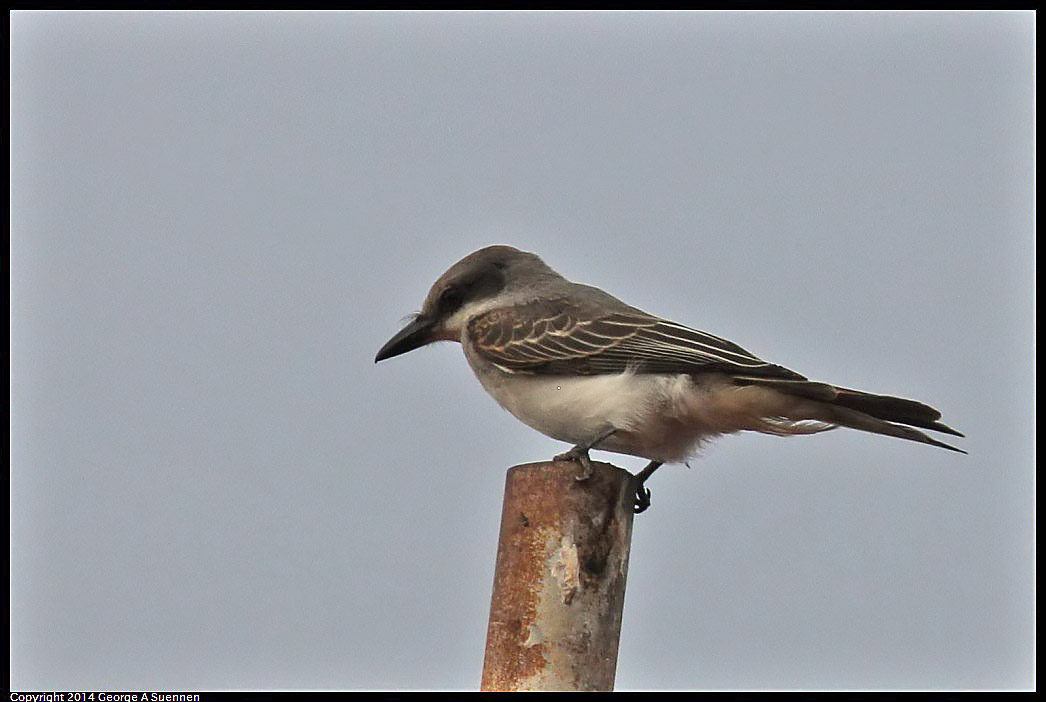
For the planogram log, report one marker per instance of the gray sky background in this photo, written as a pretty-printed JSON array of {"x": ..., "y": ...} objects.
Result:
[{"x": 217, "y": 219}]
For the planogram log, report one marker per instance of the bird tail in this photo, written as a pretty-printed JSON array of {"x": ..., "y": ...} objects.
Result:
[{"x": 879, "y": 414}]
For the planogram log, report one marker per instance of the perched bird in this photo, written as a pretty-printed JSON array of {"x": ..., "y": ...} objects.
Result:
[{"x": 581, "y": 366}]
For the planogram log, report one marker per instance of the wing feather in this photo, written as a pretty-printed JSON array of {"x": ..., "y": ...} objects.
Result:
[{"x": 561, "y": 337}]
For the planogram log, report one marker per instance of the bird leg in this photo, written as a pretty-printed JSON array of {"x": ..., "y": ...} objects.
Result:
[
  {"x": 580, "y": 454},
  {"x": 642, "y": 493}
]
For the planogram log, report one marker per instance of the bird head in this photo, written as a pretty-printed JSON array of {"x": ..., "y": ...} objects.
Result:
[{"x": 469, "y": 287}]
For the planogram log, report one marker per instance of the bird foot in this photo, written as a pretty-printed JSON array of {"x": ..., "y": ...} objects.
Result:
[
  {"x": 643, "y": 493},
  {"x": 579, "y": 455}
]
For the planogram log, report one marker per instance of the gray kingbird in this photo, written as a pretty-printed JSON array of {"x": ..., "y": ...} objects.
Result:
[{"x": 581, "y": 366}]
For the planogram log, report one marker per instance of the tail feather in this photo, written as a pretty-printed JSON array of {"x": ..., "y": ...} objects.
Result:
[
  {"x": 894, "y": 409},
  {"x": 879, "y": 414},
  {"x": 855, "y": 419}
]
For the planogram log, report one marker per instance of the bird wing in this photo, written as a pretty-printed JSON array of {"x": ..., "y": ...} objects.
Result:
[{"x": 559, "y": 337}]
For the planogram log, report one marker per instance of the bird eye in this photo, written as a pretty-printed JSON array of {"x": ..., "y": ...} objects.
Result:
[{"x": 451, "y": 297}]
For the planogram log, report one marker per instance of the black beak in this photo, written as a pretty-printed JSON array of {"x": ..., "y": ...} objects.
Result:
[{"x": 416, "y": 334}]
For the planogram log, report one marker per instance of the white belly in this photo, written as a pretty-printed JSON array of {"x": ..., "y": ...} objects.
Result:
[
  {"x": 638, "y": 407},
  {"x": 575, "y": 409}
]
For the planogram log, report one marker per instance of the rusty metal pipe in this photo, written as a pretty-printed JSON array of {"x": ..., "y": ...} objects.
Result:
[{"x": 559, "y": 580}]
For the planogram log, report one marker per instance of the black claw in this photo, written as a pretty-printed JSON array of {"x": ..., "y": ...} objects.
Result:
[
  {"x": 642, "y": 493},
  {"x": 642, "y": 500}
]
